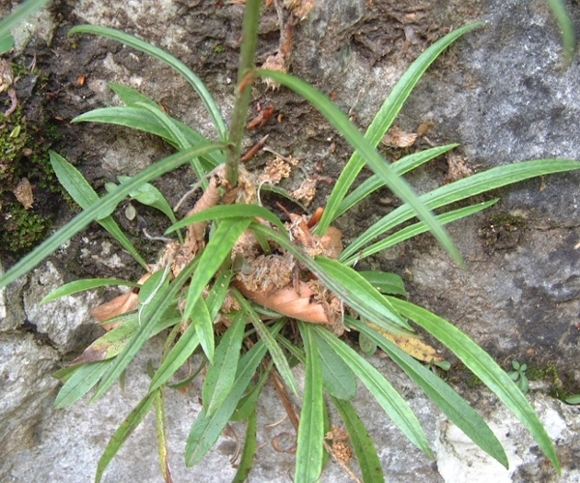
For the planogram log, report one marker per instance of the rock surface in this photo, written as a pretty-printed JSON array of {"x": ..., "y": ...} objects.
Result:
[{"x": 500, "y": 92}]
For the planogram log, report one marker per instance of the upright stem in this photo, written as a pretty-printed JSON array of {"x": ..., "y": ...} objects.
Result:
[{"x": 247, "y": 54}]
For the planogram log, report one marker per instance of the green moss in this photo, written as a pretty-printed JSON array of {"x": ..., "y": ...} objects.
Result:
[
  {"x": 24, "y": 154},
  {"x": 509, "y": 222},
  {"x": 21, "y": 229},
  {"x": 561, "y": 384}
]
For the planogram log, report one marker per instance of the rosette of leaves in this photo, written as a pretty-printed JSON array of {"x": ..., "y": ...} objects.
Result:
[{"x": 191, "y": 291}]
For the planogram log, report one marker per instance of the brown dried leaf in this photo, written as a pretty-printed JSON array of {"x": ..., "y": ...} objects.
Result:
[
  {"x": 118, "y": 306},
  {"x": 261, "y": 118},
  {"x": 23, "y": 193},
  {"x": 289, "y": 301},
  {"x": 331, "y": 241},
  {"x": 398, "y": 138}
]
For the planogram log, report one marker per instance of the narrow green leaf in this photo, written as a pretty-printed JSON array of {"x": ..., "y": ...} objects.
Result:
[
  {"x": 207, "y": 428},
  {"x": 22, "y": 12},
  {"x": 247, "y": 404},
  {"x": 383, "y": 120},
  {"x": 202, "y": 320},
  {"x": 228, "y": 211},
  {"x": 130, "y": 96},
  {"x": 389, "y": 399},
  {"x": 221, "y": 374},
  {"x": 6, "y": 43},
  {"x": 364, "y": 448},
  {"x": 210, "y": 260},
  {"x": 338, "y": 378},
  {"x": 110, "y": 344},
  {"x": 123, "y": 432},
  {"x": 162, "y": 446},
  {"x": 566, "y": 26},
  {"x": 77, "y": 286},
  {"x": 164, "y": 56},
  {"x": 484, "y": 367},
  {"x": 138, "y": 118},
  {"x": 153, "y": 284},
  {"x": 82, "y": 192},
  {"x": 371, "y": 301},
  {"x": 218, "y": 293},
  {"x": 181, "y": 351},
  {"x": 400, "y": 167},
  {"x": 250, "y": 445},
  {"x": 459, "y": 190},
  {"x": 149, "y": 318},
  {"x": 385, "y": 282},
  {"x": 81, "y": 382},
  {"x": 445, "y": 397},
  {"x": 274, "y": 349},
  {"x": 416, "y": 229},
  {"x": 106, "y": 202},
  {"x": 311, "y": 428},
  {"x": 182, "y": 141},
  {"x": 76, "y": 184},
  {"x": 368, "y": 152}
]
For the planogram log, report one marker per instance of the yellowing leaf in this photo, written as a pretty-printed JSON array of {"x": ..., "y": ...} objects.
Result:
[{"x": 413, "y": 346}]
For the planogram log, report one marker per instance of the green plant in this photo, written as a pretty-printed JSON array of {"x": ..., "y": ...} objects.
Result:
[
  {"x": 518, "y": 375},
  {"x": 575, "y": 399},
  {"x": 217, "y": 294},
  {"x": 9, "y": 22}
]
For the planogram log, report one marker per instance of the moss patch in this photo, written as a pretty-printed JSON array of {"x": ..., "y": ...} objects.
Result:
[{"x": 25, "y": 137}]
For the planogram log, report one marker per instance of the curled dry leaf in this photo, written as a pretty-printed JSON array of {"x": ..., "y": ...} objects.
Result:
[
  {"x": 261, "y": 118},
  {"x": 274, "y": 280},
  {"x": 292, "y": 301},
  {"x": 119, "y": 305}
]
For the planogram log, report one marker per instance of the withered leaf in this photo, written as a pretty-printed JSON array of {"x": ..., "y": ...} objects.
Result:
[
  {"x": 413, "y": 346},
  {"x": 289, "y": 301}
]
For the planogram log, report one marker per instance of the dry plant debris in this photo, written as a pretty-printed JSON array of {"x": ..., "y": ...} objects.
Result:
[
  {"x": 23, "y": 193},
  {"x": 398, "y": 138},
  {"x": 456, "y": 168}
]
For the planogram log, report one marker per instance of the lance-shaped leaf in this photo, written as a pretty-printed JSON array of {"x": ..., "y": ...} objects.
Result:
[
  {"x": 451, "y": 403},
  {"x": 484, "y": 367},
  {"x": 123, "y": 432},
  {"x": 83, "y": 193},
  {"x": 207, "y": 428},
  {"x": 221, "y": 373},
  {"x": 389, "y": 399},
  {"x": 311, "y": 428},
  {"x": 364, "y": 448}
]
